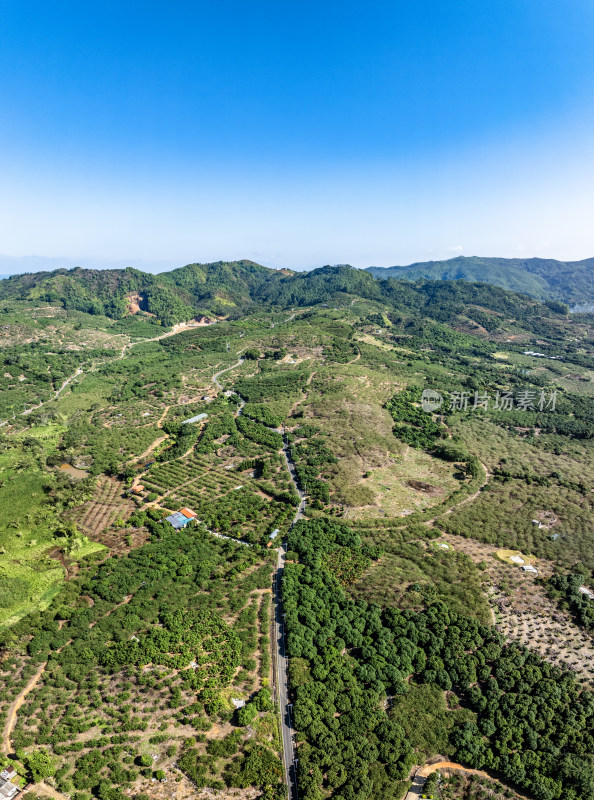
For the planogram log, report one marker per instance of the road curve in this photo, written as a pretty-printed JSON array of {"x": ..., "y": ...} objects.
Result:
[{"x": 215, "y": 377}]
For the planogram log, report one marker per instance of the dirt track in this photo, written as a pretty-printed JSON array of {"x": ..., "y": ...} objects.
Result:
[
  {"x": 13, "y": 710},
  {"x": 47, "y": 790},
  {"x": 422, "y": 773}
]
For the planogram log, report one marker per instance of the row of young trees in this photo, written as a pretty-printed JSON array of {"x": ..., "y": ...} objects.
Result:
[{"x": 311, "y": 453}]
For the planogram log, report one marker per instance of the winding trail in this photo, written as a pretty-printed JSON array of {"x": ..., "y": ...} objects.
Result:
[
  {"x": 422, "y": 773},
  {"x": 11, "y": 718},
  {"x": 149, "y": 450},
  {"x": 178, "y": 328},
  {"x": 54, "y": 396},
  {"x": 154, "y": 445},
  {"x": 464, "y": 500}
]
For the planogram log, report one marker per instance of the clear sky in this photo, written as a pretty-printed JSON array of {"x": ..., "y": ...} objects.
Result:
[{"x": 155, "y": 134}]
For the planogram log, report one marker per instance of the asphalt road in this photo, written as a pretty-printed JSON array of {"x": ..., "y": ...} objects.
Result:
[
  {"x": 215, "y": 378},
  {"x": 281, "y": 682},
  {"x": 282, "y": 660},
  {"x": 287, "y": 731}
]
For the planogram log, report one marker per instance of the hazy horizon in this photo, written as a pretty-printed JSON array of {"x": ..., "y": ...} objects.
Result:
[
  {"x": 296, "y": 137},
  {"x": 32, "y": 264}
]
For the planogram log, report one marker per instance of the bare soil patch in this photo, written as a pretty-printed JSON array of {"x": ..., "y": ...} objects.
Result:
[
  {"x": 97, "y": 515},
  {"x": 426, "y": 488},
  {"x": 523, "y": 612}
]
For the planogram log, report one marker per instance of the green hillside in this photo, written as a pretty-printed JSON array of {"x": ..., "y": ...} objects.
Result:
[
  {"x": 218, "y": 288},
  {"x": 543, "y": 278},
  {"x": 230, "y": 289},
  {"x": 126, "y": 643}
]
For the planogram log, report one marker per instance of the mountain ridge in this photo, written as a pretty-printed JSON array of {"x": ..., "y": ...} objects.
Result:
[
  {"x": 541, "y": 278},
  {"x": 221, "y": 285}
]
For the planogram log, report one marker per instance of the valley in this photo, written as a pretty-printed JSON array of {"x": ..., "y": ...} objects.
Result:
[{"x": 343, "y": 569}]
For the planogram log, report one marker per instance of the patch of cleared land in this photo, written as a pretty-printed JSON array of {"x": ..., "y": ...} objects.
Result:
[
  {"x": 107, "y": 505},
  {"x": 412, "y": 482},
  {"x": 524, "y": 613}
]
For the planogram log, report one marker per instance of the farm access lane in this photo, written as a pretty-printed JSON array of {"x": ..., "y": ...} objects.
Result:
[{"x": 290, "y": 764}]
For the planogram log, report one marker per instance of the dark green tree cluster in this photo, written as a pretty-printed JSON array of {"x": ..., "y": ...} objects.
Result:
[
  {"x": 230, "y": 512},
  {"x": 259, "y": 433},
  {"x": 186, "y": 437},
  {"x": 272, "y": 383},
  {"x": 258, "y": 766},
  {"x": 340, "y": 351},
  {"x": 260, "y": 412},
  {"x": 252, "y": 354},
  {"x": 413, "y": 425},
  {"x": 333, "y": 545},
  {"x": 192, "y": 635},
  {"x": 311, "y": 454},
  {"x": 220, "y": 425},
  {"x": 566, "y": 590},
  {"x": 534, "y": 724}
]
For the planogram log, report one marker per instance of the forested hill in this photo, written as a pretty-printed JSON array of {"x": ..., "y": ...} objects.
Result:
[
  {"x": 542, "y": 278},
  {"x": 216, "y": 288},
  {"x": 230, "y": 289},
  {"x": 437, "y": 299}
]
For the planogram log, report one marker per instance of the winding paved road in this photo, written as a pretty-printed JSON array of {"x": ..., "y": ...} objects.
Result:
[{"x": 215, "y": 378}]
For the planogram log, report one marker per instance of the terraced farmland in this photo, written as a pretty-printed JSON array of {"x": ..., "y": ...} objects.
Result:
[
  {"x": 107, "y": 505},
  {"x": 225, "y": 500}
]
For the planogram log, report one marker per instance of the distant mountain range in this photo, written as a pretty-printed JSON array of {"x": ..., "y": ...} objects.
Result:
[
  {"x": 234, "y": 283},
  {"x": 541, "y": 278},
  {"x": 232, "y": 289}
]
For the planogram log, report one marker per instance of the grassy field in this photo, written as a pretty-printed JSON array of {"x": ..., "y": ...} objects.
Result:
[
  {"x": 503, "y": 514},
  {"x": 413, "y": 481},
  {"x": 410, "y": 573},
  {"x": 29, "y": 526},
  {"x": 427, "y": 717},
  {"x": 496, "y": 446}
]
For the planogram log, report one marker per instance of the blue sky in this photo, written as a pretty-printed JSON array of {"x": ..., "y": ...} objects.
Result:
[{"x": 157, "y": 134}]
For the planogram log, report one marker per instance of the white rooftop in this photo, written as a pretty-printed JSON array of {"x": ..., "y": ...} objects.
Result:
[
  {"x": 195, "y": 419},
  {"x": 8, "y": 790}
]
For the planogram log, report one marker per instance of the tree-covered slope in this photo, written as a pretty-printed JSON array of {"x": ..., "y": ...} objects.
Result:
[
  {"x": 440, "y": 300},
  {"x": 410, "y": 632},
  {"x": 543, "y": 278},
  {"x": 217, "y": 288}
]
